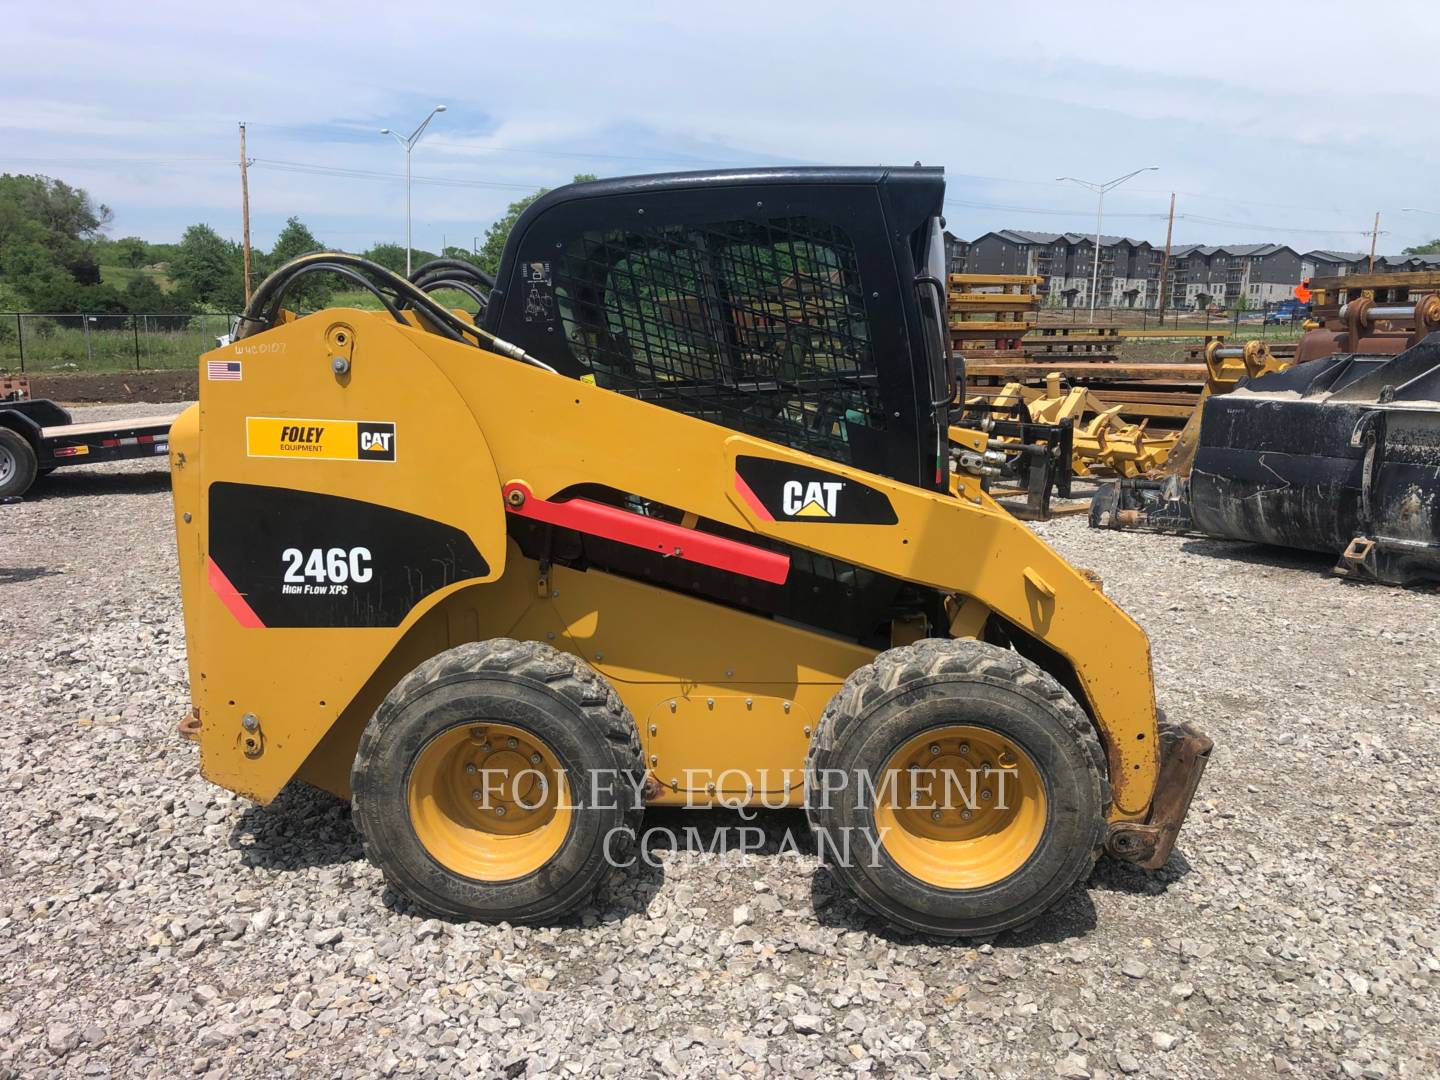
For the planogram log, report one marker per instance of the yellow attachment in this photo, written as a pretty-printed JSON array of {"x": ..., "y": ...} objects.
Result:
[
  {"x": 1125, "y": 449},
  {"x": 489, "y": 802},
  {"x": 1225, "y": 369},
  {"x": 960, "y": 807},
  {"x": 1101, "y": 439}
]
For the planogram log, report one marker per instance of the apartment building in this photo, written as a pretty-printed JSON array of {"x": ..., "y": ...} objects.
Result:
[
  {"x": 957, "y": 254},
  {"x": 1129, "y": 269},
  {"x": 1325, "y": 264},
  {"x": 1399, "y": 264},
  {"x": 1202, "y": 275},
  {"x": 1321, "y": 263}
]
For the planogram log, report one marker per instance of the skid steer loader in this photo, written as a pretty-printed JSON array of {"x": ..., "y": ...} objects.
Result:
[{"x": 667, "y": 519}]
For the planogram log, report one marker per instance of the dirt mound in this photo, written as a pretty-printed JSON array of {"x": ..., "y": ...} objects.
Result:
[{"x": 117, "y": 386}]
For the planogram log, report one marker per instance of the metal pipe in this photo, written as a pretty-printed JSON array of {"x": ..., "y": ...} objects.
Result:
[
  {"x": 1377, "y": 312},
  {"x": 1391, "y": 311}
]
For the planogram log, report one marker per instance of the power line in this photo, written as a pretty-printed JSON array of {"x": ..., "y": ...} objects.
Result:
[
  {"x": 1038, "y": 210},
  {"x": 1201, "y": 219},
  {"x": 372, "y": 174}
]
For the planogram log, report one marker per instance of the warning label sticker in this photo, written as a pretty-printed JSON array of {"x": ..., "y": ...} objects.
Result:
[{"x": 319, "y": 440}]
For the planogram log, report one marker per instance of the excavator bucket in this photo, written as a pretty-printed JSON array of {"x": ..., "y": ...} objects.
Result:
[{"x": 1339, "y": 455}]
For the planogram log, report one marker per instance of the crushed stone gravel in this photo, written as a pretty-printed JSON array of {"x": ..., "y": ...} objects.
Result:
[{"x": 152, "y": 925}]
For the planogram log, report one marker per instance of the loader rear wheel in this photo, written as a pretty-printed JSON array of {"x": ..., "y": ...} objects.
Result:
[
  {"x": 984, "y": 797},
  {"x": 500, "y": 781}
]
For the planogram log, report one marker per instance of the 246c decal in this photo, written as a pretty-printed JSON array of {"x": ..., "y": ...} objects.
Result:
[
  {"x": 325, "y": 570},
  {"x": 284, "y": 557},
  {"x": 784, "y": 491}
]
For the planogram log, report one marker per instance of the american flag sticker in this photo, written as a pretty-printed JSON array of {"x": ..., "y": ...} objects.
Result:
[{"x": 223, "y": 370}]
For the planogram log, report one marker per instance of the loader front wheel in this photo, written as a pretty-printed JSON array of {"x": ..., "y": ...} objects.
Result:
[
  {"x": 956, "y": 788},
  {"x": 500, "y": 781}
]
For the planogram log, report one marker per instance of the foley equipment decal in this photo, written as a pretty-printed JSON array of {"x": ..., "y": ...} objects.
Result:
[{"x": 319, "y": 440}]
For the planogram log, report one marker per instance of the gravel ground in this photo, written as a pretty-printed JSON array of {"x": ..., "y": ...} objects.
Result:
[{"x": 152, "y": 925}]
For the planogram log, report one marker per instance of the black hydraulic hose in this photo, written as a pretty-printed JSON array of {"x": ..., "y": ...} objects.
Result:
[
  {"x": 339, "y": 271},
  {"x": 454, "y": 274},
  {"x": 435, "y": 284},
  {"x": 255, "y": 311},
  {"x": 258, "y": 312},
  {"x": 466, "y": 269}
]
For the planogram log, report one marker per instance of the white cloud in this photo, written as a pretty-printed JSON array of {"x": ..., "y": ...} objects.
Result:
[{"x": 1315, "y": 111}]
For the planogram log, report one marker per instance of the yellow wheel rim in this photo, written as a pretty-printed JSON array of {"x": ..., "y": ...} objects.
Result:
[
  {"x": 489, "y": 801},
  {"x": 960, "y": 807}
]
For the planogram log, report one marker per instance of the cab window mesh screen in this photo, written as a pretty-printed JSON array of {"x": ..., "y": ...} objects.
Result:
[{"x": 759, "y": 326}]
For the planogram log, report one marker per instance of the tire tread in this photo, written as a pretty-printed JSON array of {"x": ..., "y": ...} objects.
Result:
[{"x": 533, "y": 661}]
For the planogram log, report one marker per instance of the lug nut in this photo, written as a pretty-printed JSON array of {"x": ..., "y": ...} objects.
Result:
[
  {"x": 934, "y": 749},
  {"x": 470, "y": 769},
  {"x": 985, "y": 794},
  {"x": 965, "y": 815},
  {"x": 964, "y": 748},
  {"x": 934, "y": 815},
  {"x": 534, "y": 759},
  {"x": 512, "y": 743},
  {"x": 499, "y": 811},
  {"x": 475, "y": 795},
  {"x": 485, "y": 748}
]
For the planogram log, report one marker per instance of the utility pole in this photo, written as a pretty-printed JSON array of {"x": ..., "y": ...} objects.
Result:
[
  {"x": 1100, "y": 190},
  {"x": 1374, "y": 235},
  {"x": 245, "y": 211},
  {"x": 1165, "y": 260}
]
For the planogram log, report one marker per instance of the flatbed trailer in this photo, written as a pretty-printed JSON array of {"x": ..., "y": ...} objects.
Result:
[{"x": 38, "y": 436}]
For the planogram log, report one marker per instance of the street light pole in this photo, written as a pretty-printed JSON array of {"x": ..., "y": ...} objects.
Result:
[
  {"x": 408, "y": 142},
  {"x": 1100, "y": 190}
]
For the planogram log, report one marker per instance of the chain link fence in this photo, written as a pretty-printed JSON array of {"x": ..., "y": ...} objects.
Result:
[
  {"x": 34, "y": 342},
  {"x": 1251, "y": 323}
]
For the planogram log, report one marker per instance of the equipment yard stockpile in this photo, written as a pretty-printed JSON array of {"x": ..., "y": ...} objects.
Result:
[
  {"x": 1338, "y": 452},
  {"x": 675, "y": 511}
]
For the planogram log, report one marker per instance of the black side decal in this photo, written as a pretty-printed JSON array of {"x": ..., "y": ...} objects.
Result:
[
  {"x": 303, "y": 559},
  {"x": 790, "y": 492}
]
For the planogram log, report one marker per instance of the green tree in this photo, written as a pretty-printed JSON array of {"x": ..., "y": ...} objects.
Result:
[
  {"x": 311, "y": 292},
  {"x": 495, "y": 236},
  {"x": 390, "y": 256},
  {"x": 131, "y": 251},
  {"x": 53, "y": 291},
  {"x": 207, "y": 270},
  {"x": 48, "y": 237},
  {"x": 1430, "y": 248},
  {"x": 143, "y": 295},
  {"x": 453, "y": 252}
]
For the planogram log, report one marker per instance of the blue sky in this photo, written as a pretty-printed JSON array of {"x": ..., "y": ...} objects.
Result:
[{"x": 1261, "y": 133}]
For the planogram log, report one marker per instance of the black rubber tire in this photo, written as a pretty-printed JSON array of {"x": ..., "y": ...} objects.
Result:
[
  {"x": 529, "y": 685},
  {"x": 18, "y": 467},
  {"x": 935, "y": 683}
]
